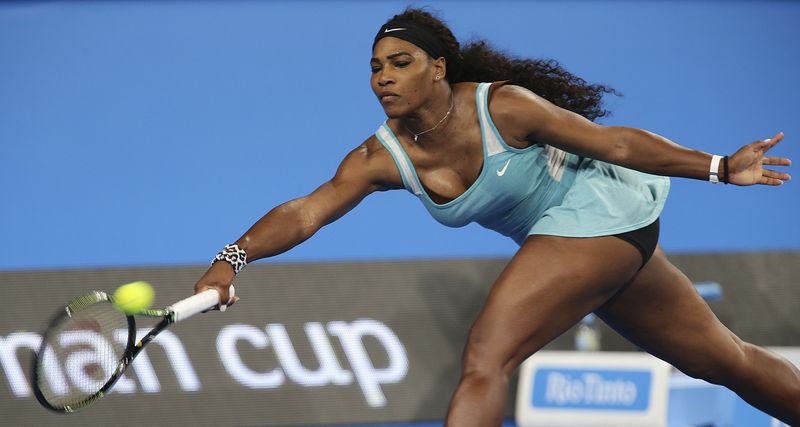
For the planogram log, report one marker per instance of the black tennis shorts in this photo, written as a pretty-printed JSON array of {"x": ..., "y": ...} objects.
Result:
[{"x": 644, "y": 239}]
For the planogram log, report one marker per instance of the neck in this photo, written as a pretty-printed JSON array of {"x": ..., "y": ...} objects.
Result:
[{"x": 431, "y": 115}]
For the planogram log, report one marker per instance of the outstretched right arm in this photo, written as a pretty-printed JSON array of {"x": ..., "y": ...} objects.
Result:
[{"x": 366, "y": 169}]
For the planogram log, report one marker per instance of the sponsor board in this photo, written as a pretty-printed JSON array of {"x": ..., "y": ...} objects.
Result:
[
  {"x": 592, "y": 389},
  {"x": 331, "y": 343},
  {"x": 142, "y": 377},
  {"x": 306, "y": 345}
]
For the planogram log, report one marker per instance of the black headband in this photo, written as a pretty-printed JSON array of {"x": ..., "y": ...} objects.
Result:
[{"x": 414, "y": 33}]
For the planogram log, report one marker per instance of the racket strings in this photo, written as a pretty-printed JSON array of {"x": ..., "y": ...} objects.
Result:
[{"x": 81, "y": 353}]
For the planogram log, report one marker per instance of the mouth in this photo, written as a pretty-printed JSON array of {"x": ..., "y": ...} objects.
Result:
[{"x": 387, "y": 97}]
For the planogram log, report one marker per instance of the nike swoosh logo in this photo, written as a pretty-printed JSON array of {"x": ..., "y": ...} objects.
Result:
[
  {"x": 388, "y": 30},
  {"x": 502, "y": 172}
]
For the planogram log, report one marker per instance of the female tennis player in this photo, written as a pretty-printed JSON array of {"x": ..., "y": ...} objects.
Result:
[{"x": 582, "y": 200}]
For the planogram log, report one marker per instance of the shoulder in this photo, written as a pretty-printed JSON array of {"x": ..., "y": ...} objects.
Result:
[
  {"x": 371, "y": 149},
  {"x": 372, "y": 162},
  {"x": 508, "y": 99},
  {"x": 464, "y": 87},
  {"x": 369, "y": 154},
  {"x": 516, "y": 110}
]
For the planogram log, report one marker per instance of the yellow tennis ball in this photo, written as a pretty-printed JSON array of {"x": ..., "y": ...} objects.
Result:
[{"x": 133, "y": 297}]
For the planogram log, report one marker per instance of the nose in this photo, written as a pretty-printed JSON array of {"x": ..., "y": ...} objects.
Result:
[{"x": 385, "y": 78}]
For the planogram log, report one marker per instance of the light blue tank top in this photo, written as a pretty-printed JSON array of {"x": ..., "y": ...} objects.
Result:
[{"x": 539, "y": 189}]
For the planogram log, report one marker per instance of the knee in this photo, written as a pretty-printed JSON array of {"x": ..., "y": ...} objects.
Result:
[{"x": 484, "y": 359}]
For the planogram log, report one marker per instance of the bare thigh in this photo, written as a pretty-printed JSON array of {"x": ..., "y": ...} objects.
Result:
[
  {"x": 660, "y": 311},
  {"x": 548, "y": 286}
]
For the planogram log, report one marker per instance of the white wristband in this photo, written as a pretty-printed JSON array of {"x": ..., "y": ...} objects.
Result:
[{"x": 713, "y": 171}]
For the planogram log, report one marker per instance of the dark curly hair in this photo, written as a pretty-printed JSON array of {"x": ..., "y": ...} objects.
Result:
[{"x": 479, "y": 62}]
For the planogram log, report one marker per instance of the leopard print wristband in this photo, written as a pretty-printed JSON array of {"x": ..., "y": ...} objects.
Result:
[{"x": 233, "y": 255}]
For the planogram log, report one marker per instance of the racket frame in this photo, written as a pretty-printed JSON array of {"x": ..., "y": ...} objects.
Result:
[{"x": 132, "y": 347}]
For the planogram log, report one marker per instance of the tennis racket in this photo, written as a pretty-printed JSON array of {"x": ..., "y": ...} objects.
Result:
[{"x": 90, "y": 343}]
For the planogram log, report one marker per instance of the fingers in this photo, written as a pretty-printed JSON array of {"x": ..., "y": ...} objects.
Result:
[
  {"x": 226, "y": 293},
  {"x": 231, "y": 298},
  {"x": 219, "y": 277},
  {"x": 232, "y": 301},
  {"x": 766, "y": 144},
  {"x": 776, "y": 161},
  {"x": 223, "y": 307},
  {"x": 770, "y": 181},
  {"x": 780, "y": 176},
  {"x": 773, "y": 178}
]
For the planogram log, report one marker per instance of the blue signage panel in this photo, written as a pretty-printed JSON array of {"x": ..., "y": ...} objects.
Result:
[{"x": 592, "y": 389}]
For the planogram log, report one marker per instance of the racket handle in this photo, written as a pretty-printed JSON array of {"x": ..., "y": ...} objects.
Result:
[{"x": 197, "y": 303}]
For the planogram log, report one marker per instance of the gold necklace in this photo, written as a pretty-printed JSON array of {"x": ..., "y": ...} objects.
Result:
[{"x": 417, "y": 135}]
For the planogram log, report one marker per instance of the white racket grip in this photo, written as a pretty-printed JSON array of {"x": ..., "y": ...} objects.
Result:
[{"x": 197, "y": 303}]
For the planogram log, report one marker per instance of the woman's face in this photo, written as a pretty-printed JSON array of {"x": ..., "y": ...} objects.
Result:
[{"x": 402, "y": 76}]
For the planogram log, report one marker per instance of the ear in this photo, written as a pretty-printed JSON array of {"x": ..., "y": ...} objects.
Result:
[{"x": 439, "y": 68}]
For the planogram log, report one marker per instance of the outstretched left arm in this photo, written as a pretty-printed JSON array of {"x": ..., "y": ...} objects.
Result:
[{"x": 526, "y": 116}]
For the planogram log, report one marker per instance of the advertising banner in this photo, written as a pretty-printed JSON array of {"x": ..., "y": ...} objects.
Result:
[
  {"x": 306, "y": 344},
  {"x": 593, "y": 389},
  {"x": 337, "y": 343}
]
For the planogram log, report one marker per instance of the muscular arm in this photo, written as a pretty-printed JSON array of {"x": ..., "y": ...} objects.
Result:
[
  {"x": 528, "y": 117},
  {"x": 366, "y": 169},
  {"x": 291, "y": 223},
  {"x": 362, "y": 172}
]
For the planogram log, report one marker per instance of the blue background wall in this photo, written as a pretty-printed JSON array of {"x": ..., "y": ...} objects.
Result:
[{"x": 137, "y": 133}]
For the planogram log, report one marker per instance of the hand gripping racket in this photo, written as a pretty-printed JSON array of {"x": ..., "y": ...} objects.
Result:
[{"x": 90, "y": 343}]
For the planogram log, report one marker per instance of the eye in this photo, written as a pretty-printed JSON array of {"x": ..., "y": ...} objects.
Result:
[
  {"x": 401, "y": 64},
  {"x": 374, "y": 69}
]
